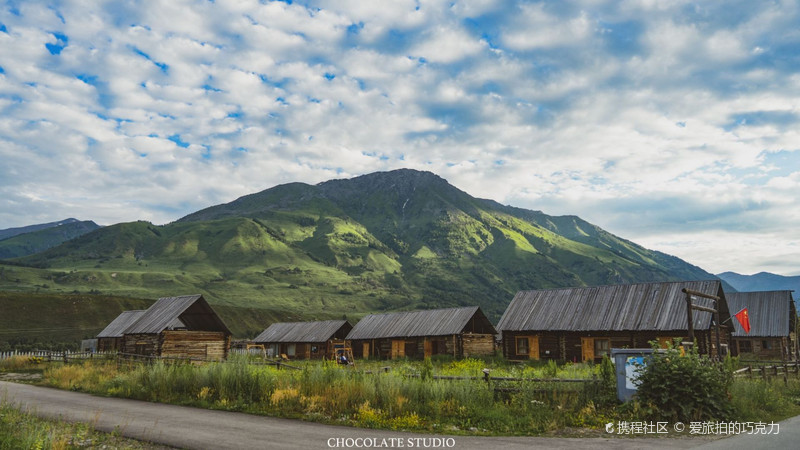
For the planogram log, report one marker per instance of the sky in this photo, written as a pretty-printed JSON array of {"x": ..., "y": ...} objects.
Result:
[{"x": 673, "y": 124}]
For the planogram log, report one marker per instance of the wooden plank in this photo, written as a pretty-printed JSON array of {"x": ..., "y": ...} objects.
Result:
[
  {"x": 534, "y": 346},
  {"x": 587, "y": 349}
]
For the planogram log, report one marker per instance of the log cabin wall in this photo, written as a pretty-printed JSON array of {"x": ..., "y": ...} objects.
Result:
[
  {"x": 763, "y": 347},
  {"x": 109, "y": 344},
  {"x": 475, "y": 344},
  {"x": 141, "y": 344},
  {"x": 579, "y": 346},
  {"x": 212, "y": 345}
]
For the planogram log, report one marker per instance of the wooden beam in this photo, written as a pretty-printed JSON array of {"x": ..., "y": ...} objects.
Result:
[
  {"x": 699, "y": 294},
  {"x": 703, "y": 308}
]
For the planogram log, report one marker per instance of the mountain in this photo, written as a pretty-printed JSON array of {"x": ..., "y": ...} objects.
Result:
[
  {"x": 385, "y": 241},
  {"x": 763, "y": 281},
  {"x": 11, "y": 232},
  {"x": 42, "y": 237}
]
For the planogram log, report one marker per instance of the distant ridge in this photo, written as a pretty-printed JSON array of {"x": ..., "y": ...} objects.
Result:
[
  {"x": 762, "y": 281},
  {"x": 43, "y": 237},
  {"x": 11, "y": 232}
]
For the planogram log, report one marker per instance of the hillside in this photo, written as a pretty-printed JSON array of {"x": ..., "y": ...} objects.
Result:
[
  {"x": 43, "y": 237},
  {"x": 392, "y": 240},
  {"x": 39, "y": 321},
  {"x": 762, "y": 281},
  {"x": 11, "y": 232}
]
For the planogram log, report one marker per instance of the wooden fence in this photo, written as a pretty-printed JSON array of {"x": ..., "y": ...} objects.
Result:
[
  {"x": 49, "y": 355},
  {"x": 136, "y": 358},
  {"x": 770, "y": 372}
]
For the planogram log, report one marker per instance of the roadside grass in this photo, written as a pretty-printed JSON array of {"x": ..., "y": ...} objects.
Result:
[
  {"x": 19, "y": 363},
  {"x": 402, "y": 394},
  {"x": 757, "y": 400},
  {"x": 20, "y": 430},
  {"x": 370, "y": 396}
]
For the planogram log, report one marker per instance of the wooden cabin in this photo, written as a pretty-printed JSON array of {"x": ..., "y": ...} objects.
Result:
[
  {"x": 773, "y": 317},
  {"x": 460, "y": 332},
  {"x": 110, "y": 339},
  {"x": 178, "y": 327},
  {"x": 303, "y": 340},
  {"x": 583, "y": 324}
]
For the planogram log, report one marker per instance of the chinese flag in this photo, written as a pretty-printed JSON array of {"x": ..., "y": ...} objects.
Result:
[{"x": 744, "y": 319}]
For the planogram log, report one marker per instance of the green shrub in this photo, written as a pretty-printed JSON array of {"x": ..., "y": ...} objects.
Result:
[
  {"x": 684, "y": 388},
  {"x": 607, "y": 392}
]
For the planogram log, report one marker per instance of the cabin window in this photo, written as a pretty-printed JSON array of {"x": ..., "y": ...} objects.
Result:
[
  {"x": 745, "y": 347},
  {"x": 766, "y": 345},
  {"x": 522, "y": 346},
  {"x": 314, "y": 349},
  {"x": 290, "y": 350},
  {"x": 601, "y": 347}
]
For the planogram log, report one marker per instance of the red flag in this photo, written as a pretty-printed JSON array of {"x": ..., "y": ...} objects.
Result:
[{"x": 744, "y": 319}]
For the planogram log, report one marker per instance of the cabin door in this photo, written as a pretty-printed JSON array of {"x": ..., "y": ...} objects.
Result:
[
  {"x": 587, "y": 349},
  {"x": 398, "y": 348},
  {"x": 428, "y": 347},
  {"x": 366, "y": 350},
  {"x": 534, "y": 352}
]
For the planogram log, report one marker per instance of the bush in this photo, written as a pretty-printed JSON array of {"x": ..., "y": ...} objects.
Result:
[{"x": 684, "y": 388}]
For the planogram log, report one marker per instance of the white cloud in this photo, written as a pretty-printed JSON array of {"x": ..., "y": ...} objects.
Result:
[{"x": 662, "y": 121}]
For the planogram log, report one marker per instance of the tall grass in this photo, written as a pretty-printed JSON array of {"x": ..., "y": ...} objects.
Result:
[
  {"x": 327, "y": 392},
  {"x": 370, "y": 397},
  {"x": 759, "y": 400},
  {"x": 20, "y": 430}
]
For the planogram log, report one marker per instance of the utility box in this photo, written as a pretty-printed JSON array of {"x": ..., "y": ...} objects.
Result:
[{"x": 626, "y": 362}]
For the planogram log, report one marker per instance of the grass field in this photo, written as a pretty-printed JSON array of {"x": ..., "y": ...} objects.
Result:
[
  {"x": 399, "y": 394},
  {"x": 20, "y": 430}
]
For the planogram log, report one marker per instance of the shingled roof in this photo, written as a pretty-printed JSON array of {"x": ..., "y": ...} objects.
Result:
[
  {"x": 192, "y": 310},
  {"x": 624, "y": 307},
  {"x": 771, "y": 313},
  {"x": 435, "y": 322},
  {"x": 117, "y": 326},
  {"x": 320, "y": 331}
]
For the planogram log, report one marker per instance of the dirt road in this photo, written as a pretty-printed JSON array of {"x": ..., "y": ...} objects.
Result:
[{"x": 194, "y": 428}]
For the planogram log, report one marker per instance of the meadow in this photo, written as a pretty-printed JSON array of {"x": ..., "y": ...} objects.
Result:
[
  {"x": 20, "y": 430},
  {"x": 404, "y": 395}
]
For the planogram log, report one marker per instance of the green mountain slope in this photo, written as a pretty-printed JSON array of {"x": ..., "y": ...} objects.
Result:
[
  {"x": 28, "y": 243},
  {"x": 393, "y": 240}
]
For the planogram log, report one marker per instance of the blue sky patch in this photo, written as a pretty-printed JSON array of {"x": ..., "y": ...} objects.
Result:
[
  {"x": 176, "y": 138},
  {"x": 61, "y": 43},
  {"x": 779, "y": 119},
  {"x": 164, "y": 67}
]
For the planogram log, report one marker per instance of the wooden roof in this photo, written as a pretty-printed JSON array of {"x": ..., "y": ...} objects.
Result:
[
  {"x": 320, "y": 331},
  {"x": 624, "y": 307},
  {"x": 192, "y": 310},
  {"x": 435, "y": 322},
  {"x": 771, "y": 313},
  {"x": 117, "y": 326}
]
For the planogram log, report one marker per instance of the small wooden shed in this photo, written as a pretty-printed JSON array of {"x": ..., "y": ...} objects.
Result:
[
  {"x": 773, "y": 317},
  {"x": 583, "y": 324},
  {"x": 178, "y": 327},
  {"x": 110, "y": 339},
  {"x": 459, "y": 332},
  {"x": 303, "y": 340}
]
